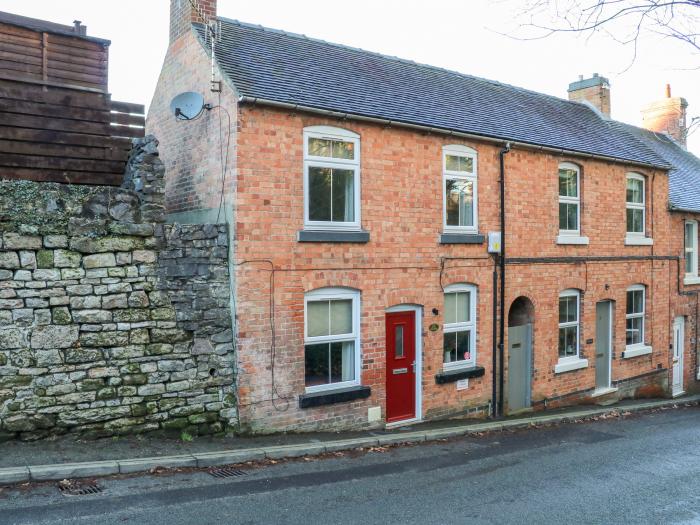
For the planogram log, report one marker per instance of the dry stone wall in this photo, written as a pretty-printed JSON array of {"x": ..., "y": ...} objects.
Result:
[{"x": 110, "y": 321}]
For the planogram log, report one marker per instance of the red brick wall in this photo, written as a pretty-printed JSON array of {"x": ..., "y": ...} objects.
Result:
[
  {"x": 191, "y": 150},
  {"x": 402, "y": 210}
]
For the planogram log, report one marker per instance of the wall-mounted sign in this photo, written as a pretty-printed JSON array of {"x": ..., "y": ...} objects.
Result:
[
  {"x": 434, "y": 327},
  {"x": 462, "y": 384}
]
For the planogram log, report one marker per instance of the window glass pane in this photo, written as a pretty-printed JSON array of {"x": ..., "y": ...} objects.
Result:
[
  {"x": 341, "y": 317},
  {"x": 459, "y": 201},
  {"x": 343, "y": 191},
  {"x": 317, "y": 313},
  {"x": 449, "y": 347},
  {"x": 634, "y": 330},
  {"x": 463, "y": 303},
  {"x": 567, "y": 309},
  {"x": 567, "y": 341},
  {"x": 331, "y": 148},
  {"x": 343, "y": 150},
  {"x": 635, "y": 191},
  {"x": 690, "y": 247},
  {"x": 568, "y": 216},
  {"x": 316, "y": 364},
  {"x": 320, "y": 194},
  {"x": 398, "y": 341},
  {"x": 635, "y": 301},
  {"x": 688, "y": 262},
  {"x": 459, "y": 163},
  {"x": 635, "y": 221},
  {"x": 342, "y": 361},
  {"x": 457, "y": 346},
  {"x": 568, "y": 183},
  {"x": 319, "y": 147},
  {"x": 450, "y": 308}
]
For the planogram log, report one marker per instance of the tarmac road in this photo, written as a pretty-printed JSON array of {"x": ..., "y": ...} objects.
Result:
[{"x": 641, "y": 469}]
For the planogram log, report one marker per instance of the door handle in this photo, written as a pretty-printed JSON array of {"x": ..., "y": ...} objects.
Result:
[
  {"x": 675, "y": 359},
  {"x": 414, "y": 366},
  {"x": 599, "y": 355}
]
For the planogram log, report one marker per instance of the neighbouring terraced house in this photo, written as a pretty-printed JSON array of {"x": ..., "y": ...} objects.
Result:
[{"x": 412, "y": 243}]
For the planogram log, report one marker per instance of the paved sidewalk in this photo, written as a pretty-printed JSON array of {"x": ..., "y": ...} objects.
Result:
[{"x": 66, "y": 457}]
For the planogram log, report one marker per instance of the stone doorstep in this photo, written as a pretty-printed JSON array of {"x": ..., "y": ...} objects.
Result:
[{"x": 227, "y": 457}]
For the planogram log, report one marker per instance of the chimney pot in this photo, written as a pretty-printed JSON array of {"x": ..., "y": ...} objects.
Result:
[{"x": 668, "y": 90}]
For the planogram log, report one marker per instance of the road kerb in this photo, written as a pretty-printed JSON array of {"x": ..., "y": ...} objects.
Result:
[
  {"x": 73, "y": 470},
  {"x": 129, "y": 466},
  {"x": 9, "y": 476}
]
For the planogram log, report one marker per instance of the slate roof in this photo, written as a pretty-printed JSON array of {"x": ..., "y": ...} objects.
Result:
[
  {"x": 289, "y": 68},
  {"x": 684, "y": 177}
]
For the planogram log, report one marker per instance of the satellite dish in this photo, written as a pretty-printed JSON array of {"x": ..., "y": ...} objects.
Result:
[{"x": 187, "y": 106}]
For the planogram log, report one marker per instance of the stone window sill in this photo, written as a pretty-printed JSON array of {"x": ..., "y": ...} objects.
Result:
[
  {"x": 571, "y": 239},
  {"x": 333, "y": 236},
  {"x": 691, "y": 279},
  {"x": 569, "y": 365},
  {"x": 638, "y": 240},
  {"x": 330, "y": 397},
  {"x": 451, "y": 376},
  {"x": 461, "y": 238},
  {"x": 636, "y": 351}
]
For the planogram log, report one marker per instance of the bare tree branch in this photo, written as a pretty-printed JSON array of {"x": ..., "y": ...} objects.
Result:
[{"x": 623, "y": 20}]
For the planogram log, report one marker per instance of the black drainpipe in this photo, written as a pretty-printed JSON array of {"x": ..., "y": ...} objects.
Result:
[
  {"x": 502, "y": 261},
  {"x": 494, "y": 407}
]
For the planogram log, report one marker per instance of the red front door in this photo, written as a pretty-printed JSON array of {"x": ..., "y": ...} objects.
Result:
[{"x": 400, "y": 366}]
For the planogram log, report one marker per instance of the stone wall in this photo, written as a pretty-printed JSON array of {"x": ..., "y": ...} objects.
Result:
[{"x": 110, "y": 321}]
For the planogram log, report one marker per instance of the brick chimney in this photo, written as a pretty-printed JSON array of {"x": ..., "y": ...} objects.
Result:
[
  {"x": 667, "y": 115},
  {"x": 594, "y": 90},
  {"x": 184, "y": 12}
]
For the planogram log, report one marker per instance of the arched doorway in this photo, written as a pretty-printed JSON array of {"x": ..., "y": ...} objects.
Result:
[{"x": 521, "y": 318}]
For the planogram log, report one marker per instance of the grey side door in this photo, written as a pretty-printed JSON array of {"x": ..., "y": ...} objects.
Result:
[
  {"x": 519, "y": 367},
  {"x": 603, "y": 349}
]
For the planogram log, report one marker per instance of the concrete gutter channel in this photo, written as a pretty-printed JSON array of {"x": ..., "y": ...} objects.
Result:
[{"x": 62, "y": 471}]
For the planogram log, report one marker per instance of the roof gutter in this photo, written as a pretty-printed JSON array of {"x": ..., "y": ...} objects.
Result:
[
  {"x": 671, "y": 207},
  {"x": 243, "y": 99}
]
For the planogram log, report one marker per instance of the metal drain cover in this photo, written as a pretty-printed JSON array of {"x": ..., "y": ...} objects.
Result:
[
  {"x": 226, "y": 472},
  {"x": 75, "y": 489}
]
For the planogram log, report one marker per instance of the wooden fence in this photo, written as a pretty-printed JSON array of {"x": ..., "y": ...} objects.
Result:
[
  {"x": 48, "y": 57},
  {"x": 60, "y": 134}
]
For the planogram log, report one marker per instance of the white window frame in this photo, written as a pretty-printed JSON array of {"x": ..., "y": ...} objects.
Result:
[
  {"x": 461, "y": 151},
  {"x": 332, "y": 133},
  {"x": 572, "y": 292},
  {"x": 328, "y": 294},
  {"x": 571, "y": 200},
  {"x": 692, "y": 250},
  {"x": 450, "y": 328},
  {"x": 637, "y": 206},
  {"x": 643, "y": 289}
]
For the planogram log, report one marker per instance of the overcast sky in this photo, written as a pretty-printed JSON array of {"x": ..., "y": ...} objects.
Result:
[{"x": 459, "y": 35}]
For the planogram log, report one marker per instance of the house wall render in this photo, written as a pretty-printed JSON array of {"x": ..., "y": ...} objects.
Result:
[{"x": 110, "y": 321}]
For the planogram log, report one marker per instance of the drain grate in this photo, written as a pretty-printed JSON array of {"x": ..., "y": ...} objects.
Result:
[
  {"x": 226, "y": 472},
  {"x": 72, "y": 489}
]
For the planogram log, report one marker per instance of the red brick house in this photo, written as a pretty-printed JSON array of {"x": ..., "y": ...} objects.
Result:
[{"x": 366, "y": 197}]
